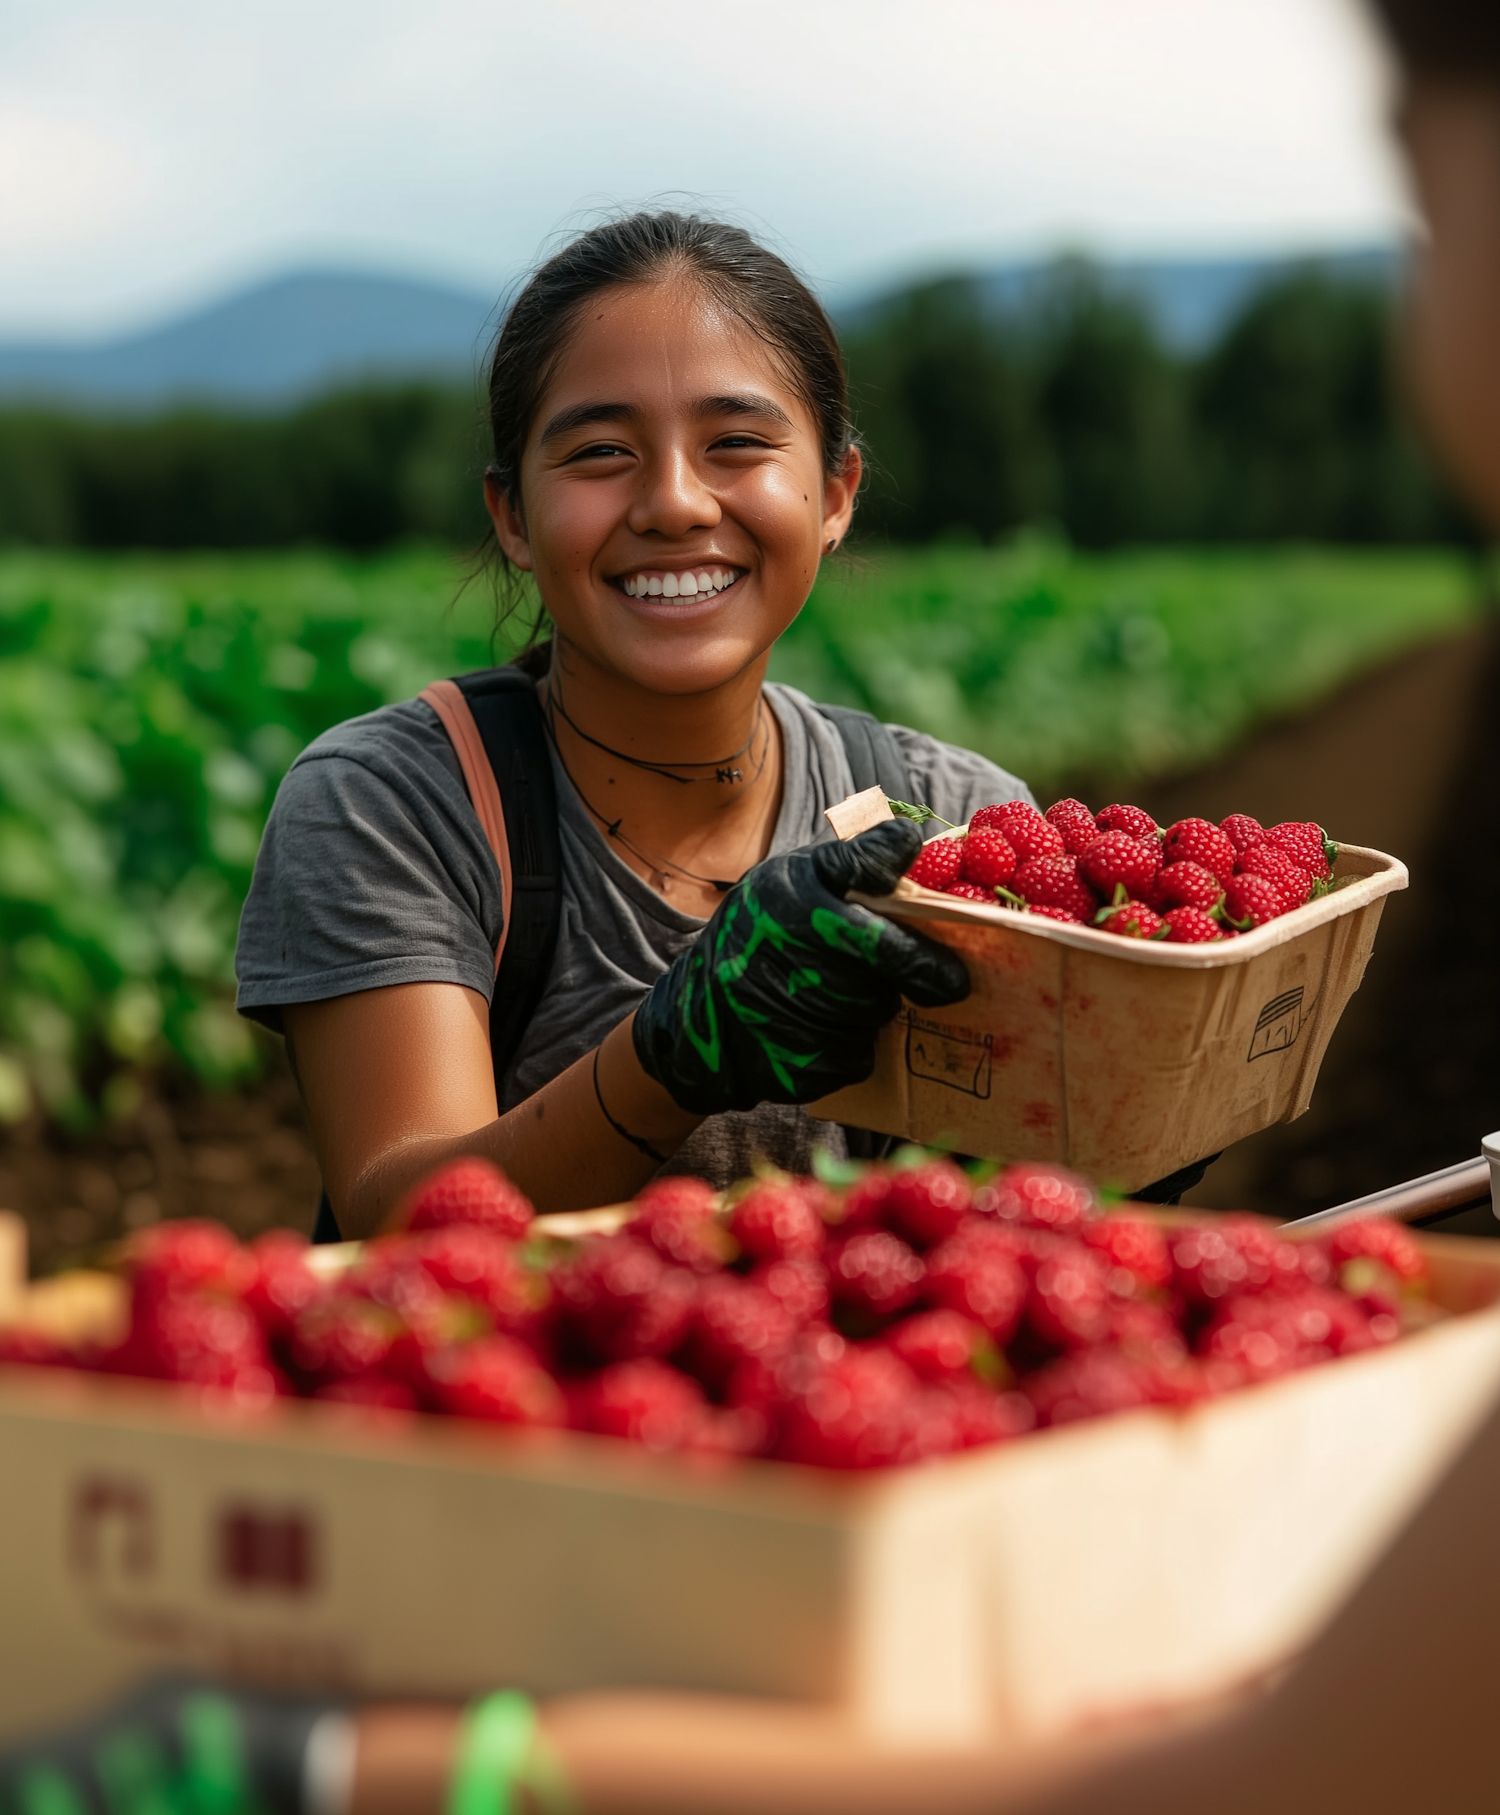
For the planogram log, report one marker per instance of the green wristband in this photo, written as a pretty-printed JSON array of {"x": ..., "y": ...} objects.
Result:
[{"x": 493, "y": 1746}]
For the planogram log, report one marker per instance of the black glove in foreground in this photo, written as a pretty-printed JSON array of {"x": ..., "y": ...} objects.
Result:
[{"x": 780, "y": 997}]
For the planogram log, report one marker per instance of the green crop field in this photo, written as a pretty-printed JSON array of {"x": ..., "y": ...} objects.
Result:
[{"x": 150, "y": 704}]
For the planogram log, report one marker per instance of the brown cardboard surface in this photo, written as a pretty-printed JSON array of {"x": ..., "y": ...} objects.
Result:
[
  {"x": 1121, "y": 1058},
  {"x": 1020, "y": 1589}
]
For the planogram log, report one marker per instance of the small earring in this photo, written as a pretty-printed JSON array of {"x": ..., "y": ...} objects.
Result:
[{"x": 830, "y": 545}]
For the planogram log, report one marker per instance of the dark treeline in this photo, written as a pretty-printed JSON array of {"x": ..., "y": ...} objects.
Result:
[{"x": 1069, "y": 413}]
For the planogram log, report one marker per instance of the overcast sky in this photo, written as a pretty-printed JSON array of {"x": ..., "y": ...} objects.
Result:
[{"x": 156, "y": 153}]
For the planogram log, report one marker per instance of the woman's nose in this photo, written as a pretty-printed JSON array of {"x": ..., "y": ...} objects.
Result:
[{"x": 673, "y": 498}]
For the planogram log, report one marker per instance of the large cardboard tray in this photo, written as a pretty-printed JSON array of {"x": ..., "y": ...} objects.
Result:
[
  {"x": 1019, "y": 1590},
  {"x": 1122, "y": 1058}
]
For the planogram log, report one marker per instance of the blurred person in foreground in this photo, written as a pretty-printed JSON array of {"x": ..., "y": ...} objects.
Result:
[{"x": 1391, "y": 1709}]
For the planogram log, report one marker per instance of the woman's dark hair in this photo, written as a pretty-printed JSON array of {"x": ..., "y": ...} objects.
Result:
[
  {"x": 1445, "y": 37},
  {"x": 746, "y": 279}
]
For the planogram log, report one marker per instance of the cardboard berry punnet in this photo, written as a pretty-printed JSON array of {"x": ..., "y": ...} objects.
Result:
[
  {"x": 1123, "y": 1058},
  {"x": 1018, "y": 1589}
]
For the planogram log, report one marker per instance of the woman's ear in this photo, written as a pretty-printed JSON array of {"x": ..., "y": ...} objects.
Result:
[
  {"x": 839, "y": 492},
  {"x": 510, "y": 525}
]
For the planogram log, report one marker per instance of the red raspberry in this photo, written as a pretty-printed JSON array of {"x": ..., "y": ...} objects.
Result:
[
  {"x": 1041, "y": 1196},
  {"x": 1250, "y": 901},
  {"x": 1259, "y": 1336},
  {"x": 979, "y": 1280},
  {"x": 340, "y": 1337},
  {"x": 469, "y": 1261},
  {"x": 1191, "y": 926},
  {"x": 676, "y": 1215},
  {"x": 1307, "y": 844},
  {"x": 377, "y": 1391},
  {"x": 469, "y": 1191},
  {"x": 978, "y": 1414},
  {"x": 1090, "y": 1384},
  {"x": 621, "y": 1300},
  {"x": 1115, "y": 860},
  {"x": 971, "y": 891},
  {"x": 1068, "y": 1306},
  {"x": 736, "y": 1320},
  {"x": 1055, "y": 882},
  {"x": 1131, "y": 920},
  {"x": 1379, "y": 1238},
  {"x": 1134, "y": 821},
  {"x": 644, "y": 1401},
  {"x": 189, "y": 1254},
  {"x": 390, "y": 1275},
  {"x": 21, "y": 1347},
  {"x": 864, "y": 1201},
  {"x": 937, "y": 863},
  {"x": 989, "y": 861},
  {"x": 941, "y": 1345},
  {"x": 799, "y": 1285},
  {"x": 1239, "y": 1256},
  {"x": 1051, "y": 913},
  {"x": 1145, "y": 1330},
  {"x": 926, "y": 1204},
  {"x": 1289, "y": 879},
  {"x": 1131, "y": 1245},
  {"x": 1076, "y": 824},
  {"x": 1243, "y": 832},
  {"x": 1188, "y": 885},
  {"x": 1022, "y": 827},
  {"x": 199, "y": 1338},
  {"x": 860, "y": 1411},
  {"x": 284, "y": 1285},
  {"x": 499, "y": 1380},
  {"x": 875, "y": 1272},
  {"x": 772, "y": 1221},
  {"x": 1199, "y": 841}
]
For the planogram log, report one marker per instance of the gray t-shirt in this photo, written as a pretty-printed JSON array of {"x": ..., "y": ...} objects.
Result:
[{"x": 374, "y": 870}]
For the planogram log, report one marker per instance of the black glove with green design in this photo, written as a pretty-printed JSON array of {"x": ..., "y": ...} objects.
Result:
[{"x": 780, "y": 997}]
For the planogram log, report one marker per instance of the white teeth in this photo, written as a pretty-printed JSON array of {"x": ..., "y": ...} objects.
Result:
[
  {"x": 655, "y": 587},
  {"x": 687, "y": 585},
  {"x": 679, "y": 585},
  {"x": 669, "y": 586},
  {"x": 706, "y": 582},
  {"x": 630, "y": 587}
]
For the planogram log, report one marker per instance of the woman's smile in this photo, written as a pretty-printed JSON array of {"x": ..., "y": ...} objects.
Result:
[{"x": 702, "y": 582}]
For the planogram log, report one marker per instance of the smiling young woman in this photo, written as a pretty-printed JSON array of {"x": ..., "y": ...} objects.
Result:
[{"x": 673, "y": 457}]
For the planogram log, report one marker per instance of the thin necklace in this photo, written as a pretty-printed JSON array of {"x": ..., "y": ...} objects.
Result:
[
  {"x": 658, "y": 866},
  {"x": 723, "y": 766}
]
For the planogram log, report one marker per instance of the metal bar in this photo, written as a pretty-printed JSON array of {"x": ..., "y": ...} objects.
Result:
[{"x": 1453, "y": 1188}]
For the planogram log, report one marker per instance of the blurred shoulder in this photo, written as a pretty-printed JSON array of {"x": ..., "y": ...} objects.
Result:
[{"x": 953, "y": 781}]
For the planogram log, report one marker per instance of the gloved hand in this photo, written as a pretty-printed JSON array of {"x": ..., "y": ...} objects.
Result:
[{"x": 780, "y": 997}]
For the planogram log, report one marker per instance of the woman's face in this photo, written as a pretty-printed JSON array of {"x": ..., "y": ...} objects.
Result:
[
  {"x": 673, "y": 501},
  {"x": 1452, "y": 137}
]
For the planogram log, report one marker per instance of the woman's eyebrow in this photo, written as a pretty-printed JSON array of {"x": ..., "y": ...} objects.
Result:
[
  {"x": 581, "y": 415},
  {"x": 747, "y": 403}
]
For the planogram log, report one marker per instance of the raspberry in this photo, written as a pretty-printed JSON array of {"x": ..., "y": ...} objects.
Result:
[
  {"x": 499, "y": 1380},
  {"x": 1289, "y": 879},
  {"x": 1131, "y": 920},
  {"x": 864, "y": 1201},
  {"x": 1239, "y": 1256},
  {"x": 1199, "y": 841},
  {"x": 21, "y": 1347},
  {"x": 1132, "y": 1245},
  {"x": 389, "y": 1274},
  {"x": 284, "y": 1285},
  {"x": 1068, "y": 1306},
  {"x": 1041, "y": 1196},
  {"x": 189, "y": 1254},
  {"x": 941, "y": 1345},
  {"x": 1250, "y": 901},
  {"x": 736, "y": 1320},
  {"x": 1191, "y": 926},
  {"x": 480, "y": 1268},
  {"x": 1055, "y": 882},
  {"x": 1260, "y": 1336},
  {"x": 1076, "y": 824},
  {"x": 976, "y": 1414},
  {"x": 875, "y": 1272},
  {"x": 676, "y": 1215},
  {"x": 1382, "y": 1239},
  {"x": 1243, "y": 832},
  {"x": 1051, "y": 913},
  {"x": 1308, "y": 845},
  {"x": 197, "y": 1337},
  {"x": 989, "y": 862},
  {"x": 1115, "y": 860},
  {"x": 645, "y": 1401},
  {"x": 1136, "y": 822},
  {"x": 341, "y": 1337},
  {"x": 621, "y": 1300},
  {"x": 971, "y": 891},
  {"x": 1022, "y": 827},
  {"x": 980, "y": 1281},
  {"x": 1089, "y": 1385},
  {"x": 799, "y": 1285},
  {"x": 926, "y": 1204},
  {"x": 377, "y": 1391},
  {"x": 860, "y": 1411},
  {"x": 1145, "y": 1330},
  {"x": 1188, "y": 885},
  {"x": 772, "y": 1221},
  {"x": 469, "y": 1191},
  {"x": 937, "y": 863}
]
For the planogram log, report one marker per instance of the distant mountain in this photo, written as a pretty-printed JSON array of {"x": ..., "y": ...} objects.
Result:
[
  {"x": 305, "y": 332},
  {"x": 267, "y": 346}
]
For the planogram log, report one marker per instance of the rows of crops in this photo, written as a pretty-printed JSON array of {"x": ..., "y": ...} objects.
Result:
[{"x": 149, "y": 706}]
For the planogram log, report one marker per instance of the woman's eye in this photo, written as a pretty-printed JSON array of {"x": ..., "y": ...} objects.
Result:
[
  {"x": 599, "y": 450},
  {"x": 736, "y": 442}
]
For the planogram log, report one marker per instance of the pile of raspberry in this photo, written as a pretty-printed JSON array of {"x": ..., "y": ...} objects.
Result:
[
  {"x": 910, "y": 1315},
  {"x": 1118, "y": 870}
]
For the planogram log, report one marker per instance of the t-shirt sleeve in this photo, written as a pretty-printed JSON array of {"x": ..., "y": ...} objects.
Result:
[
  {"x": 954, "y": 782},
  {"x": 373, "y": 871}
]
